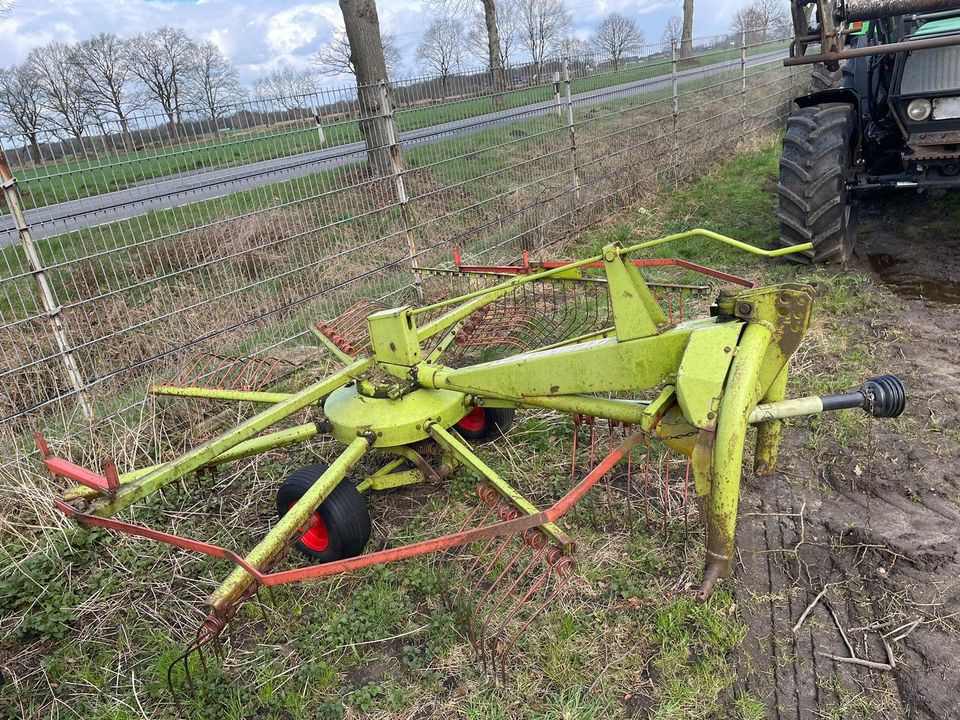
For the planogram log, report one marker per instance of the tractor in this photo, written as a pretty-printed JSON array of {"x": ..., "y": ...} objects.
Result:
[{"x": 891, "y": 121}]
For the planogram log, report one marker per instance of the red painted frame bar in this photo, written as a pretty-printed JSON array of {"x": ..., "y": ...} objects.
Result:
[{"x": 444, "y": 542}]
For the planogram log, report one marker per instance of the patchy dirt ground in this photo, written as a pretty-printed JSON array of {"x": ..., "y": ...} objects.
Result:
[{"x": 876, "y": 523}]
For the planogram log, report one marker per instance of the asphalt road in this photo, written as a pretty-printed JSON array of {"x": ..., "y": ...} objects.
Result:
[{"x": 185, "y": 188}]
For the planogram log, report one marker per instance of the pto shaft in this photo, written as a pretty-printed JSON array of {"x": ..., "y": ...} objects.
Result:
[{"x": 882, "y": 397}]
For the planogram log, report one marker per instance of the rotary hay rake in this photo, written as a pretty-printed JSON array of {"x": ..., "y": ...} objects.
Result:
[{"x": 613, "y": 351}]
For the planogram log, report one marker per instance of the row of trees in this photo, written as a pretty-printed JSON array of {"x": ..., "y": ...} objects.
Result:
[
  {"x": 106, "y": 78},
  {"x": 69, "y": 88},
  {"x": 540, "y": 28}
]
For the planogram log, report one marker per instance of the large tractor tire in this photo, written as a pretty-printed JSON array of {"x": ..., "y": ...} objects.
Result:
[
  {"x": 823, "y": 79},
  {"x": 814, "y": 204}
]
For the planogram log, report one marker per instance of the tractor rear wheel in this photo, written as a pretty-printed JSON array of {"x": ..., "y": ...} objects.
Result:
[
  {"x": 342, "y": 526},
  {"x": 814, "y": 204},
  {"x": 823, "y": 79},
  {"x": 484, "y": 423}
]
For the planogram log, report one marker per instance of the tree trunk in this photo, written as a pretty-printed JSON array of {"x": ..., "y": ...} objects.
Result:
[
  {"x": 366, "y": 54},
  {"x": 172, "y": 124},
  {"x": 125, "y": 132},
  {"x": 493, "y": 51},
  {"x": 35, "y": 149},
  {"x": 686, "y": 39}
]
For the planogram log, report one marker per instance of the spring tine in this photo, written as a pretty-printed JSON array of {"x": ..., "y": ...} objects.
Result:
[
  {"x": 503, "y": 573},
  {"x": 592, "y": 463},
  {"x": 686, "y": 489},
  {"x": 471, "y": 617},
  {"x": 666, "y": 489},
  {"x": 505, "y": 513},
  {"x": 534, "y": 561},
  {"x": 458, "y": 601},
  {"x": 576, "y": 433},
  {"x": 608, "y": 491},
  {"x": 681, "y": 306},
  {"x": 629, "y": 488},
  {"x": 563, "y": 568},
  {"x": 494, "y": 640},
  {"x": 646, "y": 487}
]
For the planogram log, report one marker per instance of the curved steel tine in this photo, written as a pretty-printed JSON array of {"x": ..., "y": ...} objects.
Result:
[
  {"x": 494, "y": 639},
  {"x": 473, "y": 616},
  {"x": 565, "y": 576},
  {"x": 535, "y": 560}
]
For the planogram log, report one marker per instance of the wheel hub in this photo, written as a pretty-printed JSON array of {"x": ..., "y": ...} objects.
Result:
[{"x": 393, "y": 421}]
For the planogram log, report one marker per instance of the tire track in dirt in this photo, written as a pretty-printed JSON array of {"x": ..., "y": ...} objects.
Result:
[{"x": 883, "y": 532}]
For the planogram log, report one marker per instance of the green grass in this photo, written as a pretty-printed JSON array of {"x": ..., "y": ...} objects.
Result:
[{"x": 110, "y": 171}]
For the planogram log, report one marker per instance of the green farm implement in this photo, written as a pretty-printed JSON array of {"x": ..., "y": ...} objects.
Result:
[{"x": 590, "y": 338}]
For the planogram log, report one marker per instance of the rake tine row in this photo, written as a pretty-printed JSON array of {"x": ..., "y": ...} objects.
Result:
[
  {"x": 534, "y": 541},
  {"x": 561, "y": 567},
  {"x": 662, "y": 490}
]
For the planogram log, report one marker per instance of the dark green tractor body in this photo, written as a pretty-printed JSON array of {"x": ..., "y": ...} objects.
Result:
[{"x": 892, "y": 122}]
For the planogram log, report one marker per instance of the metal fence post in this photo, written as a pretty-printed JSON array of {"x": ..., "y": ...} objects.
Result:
[
  {"x": 396, "y": 168},
  {"x": 743, "y": 83},
  {"x": 574, "y": 172},
  {"x": 556, "y": 88},
  {"x": 50, "y": 304},
  {"x": 676, "y": 112}
]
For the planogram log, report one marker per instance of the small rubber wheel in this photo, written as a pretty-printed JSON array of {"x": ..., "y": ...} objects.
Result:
[
  {"x": 342, "y": 528},
  {"x": 486, "y": 423}
]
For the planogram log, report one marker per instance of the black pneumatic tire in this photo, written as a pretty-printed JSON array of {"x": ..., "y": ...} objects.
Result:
[
  {"x": 486, "y": 423},
  {"x": 343, "y": 514},
  {"x": 814, "y": 204},
  {"x": 823, "y": 79}
]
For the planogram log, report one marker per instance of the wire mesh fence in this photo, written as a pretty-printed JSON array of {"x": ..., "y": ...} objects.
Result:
[{"x": 153, "y": 238}]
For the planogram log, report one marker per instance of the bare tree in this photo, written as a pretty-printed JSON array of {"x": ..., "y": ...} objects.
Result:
[
  {"x": 508, "y": 32},
  {"x": 494, "y": 50},
  {"x": 439, "y": 49},
  {"x": 214, "y": 84},
  {"x": 5, "y": 7},
  {"x": 287, "y": 87},
  {"x": 21, "y": 103},
  {"x": 686, "y": 36},
  {"x": 615, "y": 34},
  {"x": 758, "y": 19},
  {"x": 334, "y": 57},
  {"x": 62, "y": 86},
  {"x": 771, "y": 14},
  {"x": 362, "y": 25},
  {"x": 162, "y": 60},
  {"x": 572, "y": 47},
  {"x": 673, "y": 31},
  {"x": 104, "y": 63},
  {"x": 544, "y": 24}
]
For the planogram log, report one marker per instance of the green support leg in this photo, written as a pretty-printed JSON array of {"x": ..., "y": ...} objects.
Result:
[
  {"x": 234, "y": 587},
  {"x": 769, "y": 432},
  {"x": 739, "y": 399}
]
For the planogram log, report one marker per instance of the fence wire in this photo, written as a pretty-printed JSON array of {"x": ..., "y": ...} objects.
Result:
[{"x": 160, "y": 237}]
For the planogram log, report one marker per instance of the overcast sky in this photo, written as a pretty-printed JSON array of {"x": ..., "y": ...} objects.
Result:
[{"x": 258, "y": 34}]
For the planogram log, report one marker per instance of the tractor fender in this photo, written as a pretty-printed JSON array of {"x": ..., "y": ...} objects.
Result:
[
  {"x": 833, "y": 95},
  {"x": 837, "y": 95}
]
